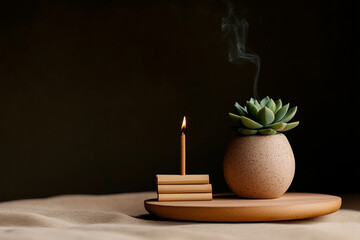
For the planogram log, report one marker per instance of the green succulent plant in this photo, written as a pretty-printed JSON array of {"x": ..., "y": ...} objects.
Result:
[{"x": 265, "y": 117}]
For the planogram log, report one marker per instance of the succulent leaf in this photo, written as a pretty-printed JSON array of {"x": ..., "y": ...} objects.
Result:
[
  {"x": 235, "y": 118},
  {"x": 264, "y": 101},
  {"x": 278, "y": 105},
  {"x": 253, "y": 110},
  {"x": 271, "y": 105},
  {"x": 245, "y": 131},
  {"x": 244, "y": 109},
  {"x": 266, "y": 116},
  {"x": 281, "y": 113},
  {"x": 252, "y": 100},
  {"x": 267, "y": 131},
  {"x": 247, "y": 122},
  {"x": 290, "y": 126},
  {"x": 258, "y": 106},
  {"x": 239, "y": 109},
  {"x": 289, "y": 115},
  {"x": 277, "y": 126}
]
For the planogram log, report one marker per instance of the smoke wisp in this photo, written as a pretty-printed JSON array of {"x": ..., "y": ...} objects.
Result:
[{"x": 236, "y": 30}]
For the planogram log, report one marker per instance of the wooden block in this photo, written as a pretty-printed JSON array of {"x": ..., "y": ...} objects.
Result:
[
  {"x": 182, "y": 179},
  {"x": 184, "y": 197},
  {"x": 180, "y": 188}
]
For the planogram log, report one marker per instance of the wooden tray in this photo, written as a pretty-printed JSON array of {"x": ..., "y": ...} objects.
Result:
[{"x": 229, "y": 208}]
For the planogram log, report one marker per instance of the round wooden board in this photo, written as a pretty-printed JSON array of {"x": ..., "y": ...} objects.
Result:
[{"x": 229, "y": 208}]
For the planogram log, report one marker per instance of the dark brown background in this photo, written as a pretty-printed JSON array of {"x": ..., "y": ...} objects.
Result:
[{"x": 92, "y": 93}]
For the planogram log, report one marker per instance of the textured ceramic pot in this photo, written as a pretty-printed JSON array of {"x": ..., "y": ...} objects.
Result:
[{"x": 259, "y": 166}]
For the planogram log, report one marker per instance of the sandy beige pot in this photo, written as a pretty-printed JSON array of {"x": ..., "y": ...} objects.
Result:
[{"x": 259, "y": 166}]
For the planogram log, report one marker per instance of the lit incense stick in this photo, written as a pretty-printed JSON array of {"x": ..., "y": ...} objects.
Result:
[{"x": 183, "y": 148}]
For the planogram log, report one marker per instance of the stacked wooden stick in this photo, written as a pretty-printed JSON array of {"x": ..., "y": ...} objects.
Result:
[{"x": 183, "y": 187}]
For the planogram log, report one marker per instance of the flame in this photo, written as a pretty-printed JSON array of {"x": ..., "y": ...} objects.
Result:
[{"x": 183, "y": 126}]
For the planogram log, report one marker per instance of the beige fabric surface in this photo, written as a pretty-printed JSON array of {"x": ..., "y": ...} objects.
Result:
[{"x": 122, "y": 216}]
